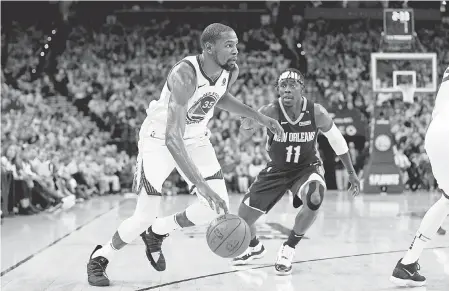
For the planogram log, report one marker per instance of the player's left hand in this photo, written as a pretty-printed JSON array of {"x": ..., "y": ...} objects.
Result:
[
  {"x": 355, "y": 184},
  {"x": 272, "y": 124}
]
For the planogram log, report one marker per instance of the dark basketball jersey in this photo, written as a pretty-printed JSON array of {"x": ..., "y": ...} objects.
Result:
[{"x": 298, "y": 147}]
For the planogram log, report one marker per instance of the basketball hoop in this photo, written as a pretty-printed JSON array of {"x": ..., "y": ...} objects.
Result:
[{"x": 408, "y": 92}]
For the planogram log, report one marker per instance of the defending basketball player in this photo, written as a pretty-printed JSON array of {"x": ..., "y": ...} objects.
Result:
[
  {"x": 175, "y": 135},
  {"x": 295, "y": 165},
  {"x": 437, "y": 138}
]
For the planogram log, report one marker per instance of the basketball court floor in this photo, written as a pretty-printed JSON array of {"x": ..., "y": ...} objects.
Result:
[{"x": 353, "y": 246}]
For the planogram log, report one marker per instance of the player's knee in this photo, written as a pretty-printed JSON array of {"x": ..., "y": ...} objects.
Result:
[
  {"x": 248, "y": 214},
  {"x": 315, "y": 199},
  {"x": 314, "y": 195},
  {"x": 147, "y": 208}
]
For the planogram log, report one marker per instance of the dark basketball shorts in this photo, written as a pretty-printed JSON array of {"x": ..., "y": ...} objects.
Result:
[{"x": 271, "y": 184}]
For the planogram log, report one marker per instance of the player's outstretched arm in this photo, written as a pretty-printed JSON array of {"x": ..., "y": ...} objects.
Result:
[
  {"x": 231, "y": 104},
  {"x": 182, "y": 80},
  {"x": 325, "y": 123},
  {"x": 250, "y": 126}
]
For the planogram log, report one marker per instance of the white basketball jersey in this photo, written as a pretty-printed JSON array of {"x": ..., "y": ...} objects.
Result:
[
  {"x": 442, "y": 100},
  {"x": 200, "y": 106}
]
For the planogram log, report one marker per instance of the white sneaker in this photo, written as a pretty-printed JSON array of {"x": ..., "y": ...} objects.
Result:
[
  {"x": 250, "y": 254},
  {"x": 283, "y": 264}
]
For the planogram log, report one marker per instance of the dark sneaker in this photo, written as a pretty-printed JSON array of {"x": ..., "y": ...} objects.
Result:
[
  {"x": 250, "y": 254},
  {"x": 407, "y": 275},
  {"x": 153, "y": 243},
  {"x": 96, "y": 270}
]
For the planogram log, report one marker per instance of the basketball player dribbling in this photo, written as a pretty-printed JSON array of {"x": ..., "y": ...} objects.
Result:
[
  {"x": 295, "y": 165},
  {"x": 437, "y": 138},
  {"x": 175, "y": 135}
]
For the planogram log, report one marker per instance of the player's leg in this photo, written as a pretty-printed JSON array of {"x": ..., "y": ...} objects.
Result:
[
  {"x": 203, "y": 155},
  {"x": 436, "y": 195},
  {"x": 263, "y": 194},
  {"x": 406, "y": 270},
  {"x": 148, "y": 182},
  {"x": 198, "y": 213},
  {"x": 256, "y": 250},
  {"x": 310, "y": 187}
]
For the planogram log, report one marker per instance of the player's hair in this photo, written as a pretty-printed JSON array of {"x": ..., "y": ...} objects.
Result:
[
  {"x": 299, "y": 76},
  {"x": 213, "y": 32}
]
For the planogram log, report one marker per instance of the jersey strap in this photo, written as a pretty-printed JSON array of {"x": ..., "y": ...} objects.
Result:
[{"x": 211, "y": 82}]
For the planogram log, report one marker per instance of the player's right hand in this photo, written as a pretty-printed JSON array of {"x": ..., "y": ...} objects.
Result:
[
  {"x": 272, "y": 124},
  {"x": 214, "y": 200},
  {"x": 355, "y": 184}
]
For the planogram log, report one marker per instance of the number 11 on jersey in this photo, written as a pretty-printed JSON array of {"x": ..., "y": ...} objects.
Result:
[{"x": 290, "y": 152}]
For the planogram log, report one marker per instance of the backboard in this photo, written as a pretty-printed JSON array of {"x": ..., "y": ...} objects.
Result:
[{"x": 390, "y": 70}]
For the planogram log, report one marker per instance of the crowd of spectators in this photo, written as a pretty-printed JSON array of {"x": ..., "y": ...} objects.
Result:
[
  {"x": 73, "y": 135},
  {"x": 52, "y": 155}
]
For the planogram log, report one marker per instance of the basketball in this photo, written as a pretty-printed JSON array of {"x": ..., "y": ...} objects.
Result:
[{"x": 228, "y": 236}]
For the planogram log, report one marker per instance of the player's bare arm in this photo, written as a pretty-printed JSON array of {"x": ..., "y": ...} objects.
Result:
[
  {"x": 182, "y": 80},
  {"x": 249, "y": 126},
  {"x": 326, "y": 125},
  {"x": 231, "y": 104}
]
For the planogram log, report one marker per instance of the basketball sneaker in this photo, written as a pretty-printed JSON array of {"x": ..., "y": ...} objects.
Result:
[
  {"x": 153, "y": 243},
  {"x": 96, "y": 270},
  {"x": 283, "y": 265},
  {"x": 250, "y": 254},
  {"x": 407, "y": 275}
]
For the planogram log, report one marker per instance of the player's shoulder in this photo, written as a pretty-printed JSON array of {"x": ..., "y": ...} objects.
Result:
[
  {"x": 319, "y": 109},
  {"x": 184, "y": 68},
  {"x": 323, "y": 120},
  {"x": 183, "y": 73}
]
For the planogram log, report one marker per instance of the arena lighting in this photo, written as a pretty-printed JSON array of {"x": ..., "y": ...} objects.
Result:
[
  {"x": 444, "y": 2},
  {"x": 303, "y": 53},
  {"x": 46, "y": 46},
  {"x": 42, "y": 54},
  {"x": 49, "y": 38},
  {"x": 33, "y": 71},
  {"x": 53, "y": 31},
  {"x": 298, "y": 45}
]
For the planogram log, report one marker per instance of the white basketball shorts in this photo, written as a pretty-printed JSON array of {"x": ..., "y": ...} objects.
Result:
[
  {"x": 155, "y": 163},
  {"x": 436, "y": 145}
]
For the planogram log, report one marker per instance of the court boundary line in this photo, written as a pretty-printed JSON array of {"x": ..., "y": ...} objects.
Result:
[
  {"x": 21, "y": 262},
  {"x": 272, "y": 265}
]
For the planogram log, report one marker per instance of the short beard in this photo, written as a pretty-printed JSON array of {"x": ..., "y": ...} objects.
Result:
[{"x": 225, "y": 66}]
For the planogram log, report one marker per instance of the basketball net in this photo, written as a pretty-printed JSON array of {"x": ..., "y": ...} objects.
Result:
[{"x": 408, "y": 92}]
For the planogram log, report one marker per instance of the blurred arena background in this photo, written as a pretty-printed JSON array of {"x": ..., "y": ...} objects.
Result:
[{"x": 78, "y": 76}]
